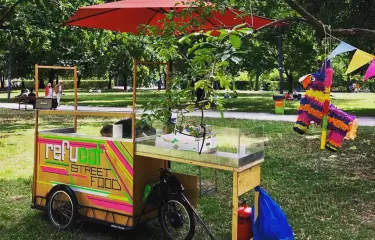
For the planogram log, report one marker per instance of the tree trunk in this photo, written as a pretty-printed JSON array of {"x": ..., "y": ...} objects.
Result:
[
  {"x": 51, "y": 76},
  {"x": 289, "y": 77},
  {"x": 160, "y": 78},
  {"x": 125, "y": 82},
  {"x": 57, "y": 79},
  {"x": 9, "y": 75},
  {"x": 2, "y": 82},
  {"x": 110, "y": 81},
  {"x": 79, "y": 77},
  {"x": 291, "y": 82},
  {"x": 257, "y": 76},
  {"x": 41, "y": 84},
  {"x": 372, "y": 87},
  {"x": 23, "y": 84},
  {"x": 165, "y": 80},
  {"x": 349, "y": 83}
]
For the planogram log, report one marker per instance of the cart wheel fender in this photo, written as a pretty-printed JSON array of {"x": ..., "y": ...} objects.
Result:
[
  {"x": 63, "y": 188},
  {"x": 72, "y": 197}
]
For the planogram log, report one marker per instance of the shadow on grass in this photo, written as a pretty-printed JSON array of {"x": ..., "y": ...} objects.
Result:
[{"x": 11, "y": 128}]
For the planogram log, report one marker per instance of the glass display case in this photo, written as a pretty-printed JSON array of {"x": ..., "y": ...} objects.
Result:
[{"x": 229, "y": 147}]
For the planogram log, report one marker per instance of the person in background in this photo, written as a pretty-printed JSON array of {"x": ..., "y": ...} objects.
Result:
[
  {"x": 46, "y": 90},
  {"x": 226, "y": 95},
  {"x": 235, "y": 94},
  {"x": 288, "y": 96},
  {"x": 350, "y": 88},
  {"x": 107, "y": 131},
  {"x": 296, "y": 95},
  {"x": 49, "y": 91},
  {"x": 58, "y": 91}
]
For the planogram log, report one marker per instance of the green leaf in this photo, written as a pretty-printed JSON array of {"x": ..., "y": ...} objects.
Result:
[
  {"x": 245, "y": 30},
  {"x": 207, "y": 106},
  {"x": 236, "y": 59},
  {"x": 239, "y": 26},
  {"x": 190, "y": 108},
  {"x": 225, "y": 57},
  {"x": 223, "y": 32},
  {"x": 181, "y": 40},
  {"x": 235, "y": 41}
]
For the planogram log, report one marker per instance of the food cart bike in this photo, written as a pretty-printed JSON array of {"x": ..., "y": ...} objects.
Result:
[{"x": 103, "y": 179}]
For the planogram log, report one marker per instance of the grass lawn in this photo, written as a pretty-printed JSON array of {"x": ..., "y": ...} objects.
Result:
[
  {"x": 325, "y": 195},
  {"x": 360, "y": 104}
]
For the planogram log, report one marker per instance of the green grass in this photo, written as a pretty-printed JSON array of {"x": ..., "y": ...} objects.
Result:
[
  {"x": 325, "y": 195},
  {"x": 359, "y": 104}
]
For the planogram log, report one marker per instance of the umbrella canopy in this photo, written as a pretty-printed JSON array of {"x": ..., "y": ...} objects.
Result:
[{"x": 129, "y": 15}]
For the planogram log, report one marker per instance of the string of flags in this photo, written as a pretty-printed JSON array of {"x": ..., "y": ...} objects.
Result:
[{"x": 360, "y": 58}]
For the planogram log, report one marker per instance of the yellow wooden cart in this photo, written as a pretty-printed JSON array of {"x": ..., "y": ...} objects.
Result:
[{"x": 103, "y": 179}]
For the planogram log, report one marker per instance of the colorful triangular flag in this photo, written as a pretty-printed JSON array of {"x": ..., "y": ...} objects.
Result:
[
  {"x": 341, "y": 48},
  {"x": 370, "y": 71},
  {"x": 359, "y": 59}
]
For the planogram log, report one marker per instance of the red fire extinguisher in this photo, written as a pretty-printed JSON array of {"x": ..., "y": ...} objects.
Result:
[{"x": 244, "y": 227}]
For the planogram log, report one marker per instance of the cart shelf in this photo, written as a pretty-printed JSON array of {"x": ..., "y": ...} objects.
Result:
[
  {"x": 231, "y": 149},
  {"x": 218, "y": 159}
]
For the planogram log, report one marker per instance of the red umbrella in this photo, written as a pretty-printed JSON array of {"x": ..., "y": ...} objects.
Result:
[{"x": 128, "y": 15}]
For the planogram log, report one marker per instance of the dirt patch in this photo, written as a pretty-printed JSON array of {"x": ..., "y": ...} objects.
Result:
[{"x": 16, "y": 198}]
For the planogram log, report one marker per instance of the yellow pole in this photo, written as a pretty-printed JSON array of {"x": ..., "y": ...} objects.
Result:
[
  {"x": 36, "y": 80},
  {"x": 75, "y": 97},
  {"x": 235, "y": 206},
  {"x": 36, "y": 115}
]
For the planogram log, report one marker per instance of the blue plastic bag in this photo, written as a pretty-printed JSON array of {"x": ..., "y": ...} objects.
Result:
[{"x": 271, "y": 223}]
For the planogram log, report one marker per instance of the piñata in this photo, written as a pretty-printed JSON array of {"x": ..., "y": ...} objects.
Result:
[{"x": 341, "y": 125}]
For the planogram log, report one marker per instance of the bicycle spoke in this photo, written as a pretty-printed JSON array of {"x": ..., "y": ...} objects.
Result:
[
  {"x": 177, "y": 232},
  {"x": 61, "y": 209}
]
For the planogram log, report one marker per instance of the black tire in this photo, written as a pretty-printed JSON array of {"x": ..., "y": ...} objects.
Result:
[
  {"x": 62, "y": 207},
  {"x": 177, "y": 221}
]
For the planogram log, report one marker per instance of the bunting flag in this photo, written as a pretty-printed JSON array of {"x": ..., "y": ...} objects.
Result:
[
  {"x": 359, "y": 59},
  {"x": 370, "y": 71},
  {"x": 342, "y": 48}
]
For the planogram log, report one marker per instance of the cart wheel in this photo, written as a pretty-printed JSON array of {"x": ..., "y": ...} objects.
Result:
[
  {"x": 177, "y": 219},
  {"x": 62, "y": 207}
]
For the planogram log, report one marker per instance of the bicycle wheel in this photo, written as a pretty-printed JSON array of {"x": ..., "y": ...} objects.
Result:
[
  {"x": 62, "y": 208},
  {"x": 177, "y": 219}
]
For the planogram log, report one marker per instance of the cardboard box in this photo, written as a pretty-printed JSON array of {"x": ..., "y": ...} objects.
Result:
[{"x": 188, "y": 143}]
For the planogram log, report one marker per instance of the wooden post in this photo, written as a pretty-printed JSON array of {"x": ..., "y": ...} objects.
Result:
[
  {"x": 256, "y": 205},
  {"x": 75, "y": 98},
  {"x": 36, "y": 81},
  {"x": 36, "y": 115},
  {"x": 235, "y": 206}
]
